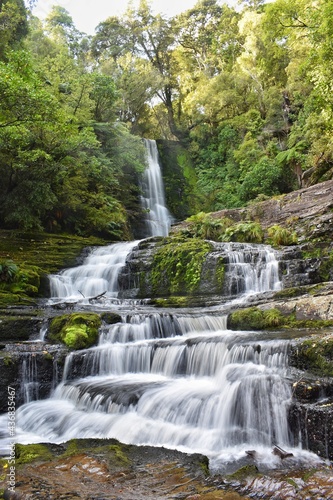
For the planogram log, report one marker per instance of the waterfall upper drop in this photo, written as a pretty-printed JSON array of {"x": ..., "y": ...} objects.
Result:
[
  {"x": 158, "y": 219},
  {"x": 97, "y": 275}
]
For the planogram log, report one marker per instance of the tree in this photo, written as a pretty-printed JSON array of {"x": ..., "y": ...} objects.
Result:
[{"x": 13, "y": 25}]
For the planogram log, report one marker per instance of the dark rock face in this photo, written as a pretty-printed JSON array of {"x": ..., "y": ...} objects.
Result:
[
  {"x": 312, "y": 426},
  {"x": 40, "y": 364},
  {"x": 19, "y": 327},
  {"x": 217, "y": 277}
]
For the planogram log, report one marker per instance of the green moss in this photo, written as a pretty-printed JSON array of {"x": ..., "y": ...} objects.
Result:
[
  {"x": 253, "y": 318},
  {"x": 204, "y": 464},
  {"x": 72, "y": 448},
  {"x": 177, "y": 266},
  {"x": 31, "y": 453},
  {"x": 243, "y": 473},
  {"x": 8, "y": 360},
  {"x": 220, "y": 273},
  {"x": 118, "y": 453},
  {"x": 287, "y": 293},
  {"x": 292, "y": 482},
  {"x": 36, "y": 255},
  {"x": 172, "y": 302},
  {"x": 316, "y": 356},
  {"x": 76, "y": 331},
  {"x": 326, "y": 267}
]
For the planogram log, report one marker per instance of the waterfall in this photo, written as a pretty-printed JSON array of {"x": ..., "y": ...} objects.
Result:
[
  {"x": 100, "y": 271},
  {"x": 30, "y": 383},
  {"x": 178, "y": 379},
  {"x": 251, "y": 268},
  {"x": 173, "y": 378},
  {"x": 158, "y": 219},
  {"x": 97, "y": 275},
  {"x": 198, "y": 388}
]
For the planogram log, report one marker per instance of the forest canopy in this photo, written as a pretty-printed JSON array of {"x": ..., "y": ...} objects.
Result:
[{"x": 246, "y": 92}]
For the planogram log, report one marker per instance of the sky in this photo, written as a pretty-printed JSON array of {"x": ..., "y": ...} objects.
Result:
[{"x": 87, "y": 14}]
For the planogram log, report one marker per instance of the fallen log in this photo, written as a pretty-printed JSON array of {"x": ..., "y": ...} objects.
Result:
[
  {"x": 97, "y": 296},
  {"x": 281, "y": 453}
]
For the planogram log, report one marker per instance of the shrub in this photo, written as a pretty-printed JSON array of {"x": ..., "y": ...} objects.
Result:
[
  {"x": 278, "y": 235},
  {"x": 203, "y": 225},
  {"x": 8, "y": 271},
  {"x": 244, "y": 232}
]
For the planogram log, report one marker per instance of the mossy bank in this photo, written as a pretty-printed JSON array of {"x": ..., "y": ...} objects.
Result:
[{"x": 28, "y": 257}]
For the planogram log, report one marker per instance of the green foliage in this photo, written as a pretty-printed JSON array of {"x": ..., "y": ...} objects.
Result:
[
  {"x": 177, "y": 266},
  {"x": 264, "y": 177},
  {"x": 27, "y": 453},
  {"x": 246, "y": 91},
  {"x": 316, "y": 356},
  {"x": 76, "y": 331},
  {"x": 203, "y": 225},
  {"x": 13, "y": 25},
  {"x": 278, "y": 235},
  {"x": 8, "y": 271},
  {"x": 253, "y": 318},
  {"x": 250, "y": 232}
]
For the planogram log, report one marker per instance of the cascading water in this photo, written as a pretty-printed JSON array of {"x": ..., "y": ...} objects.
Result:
[
  {"x": 251, "y": 268},
  {"x": 180, "y": 380},
  {"x": 175, "y": 379},
  {"x": 208, "y": 390},
  {"x": 158, "y": 219},
  {"x": 98, "y": 275},
  {"x": 100, "y": 270}
]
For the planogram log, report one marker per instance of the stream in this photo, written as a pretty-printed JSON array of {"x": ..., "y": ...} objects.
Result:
[{"x": 173, "y": 378}]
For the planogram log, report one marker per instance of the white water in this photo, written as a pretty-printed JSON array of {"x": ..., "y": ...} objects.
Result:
[
  {"x": 99, "y": 272},
  {"x": 182, "y": 381},
  {"x": 158, "y": 219},
  {"x": 208, "y": 391},
  {"x": 175, "y": 379},
  {"x": 252, "y": 268},
  {"x": 97, "y": 275}
]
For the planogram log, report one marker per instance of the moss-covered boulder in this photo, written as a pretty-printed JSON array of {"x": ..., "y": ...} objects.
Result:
[
  {"x": 314, "y": 355},
  {"x": 254, "y": 318},
  {"x": 177, "y": 266},
  {"x": 76, "y": 331}
]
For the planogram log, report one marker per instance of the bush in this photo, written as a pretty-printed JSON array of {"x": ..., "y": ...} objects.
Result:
[
  {"x": 244, "y": 232},
  {"x": 8, "y": 271},
  {"x": 278, "y": 235},
  {"x": 203, "y": 225}
]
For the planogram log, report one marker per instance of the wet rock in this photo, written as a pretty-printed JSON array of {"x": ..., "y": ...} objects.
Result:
[
  {"x": 312, "y": 424},
  {"x": 19, "y": 327},
  {"x": 45, "y": 364}
]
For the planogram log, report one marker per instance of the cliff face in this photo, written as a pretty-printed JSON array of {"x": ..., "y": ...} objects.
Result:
[{"x": 308, "y": 211}]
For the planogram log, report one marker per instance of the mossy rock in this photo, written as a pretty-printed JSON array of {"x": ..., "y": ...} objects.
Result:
[
  {"x": 111, "y": 318},
  {"x": 253, "y": 318},
  {"x": 177, "y": 266},
  {"x": 315, "y": 356},
  {"x": 31, "y": 453},
  {"x": 243, "y": 473},
  {"x": 76, "y": 331}
]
